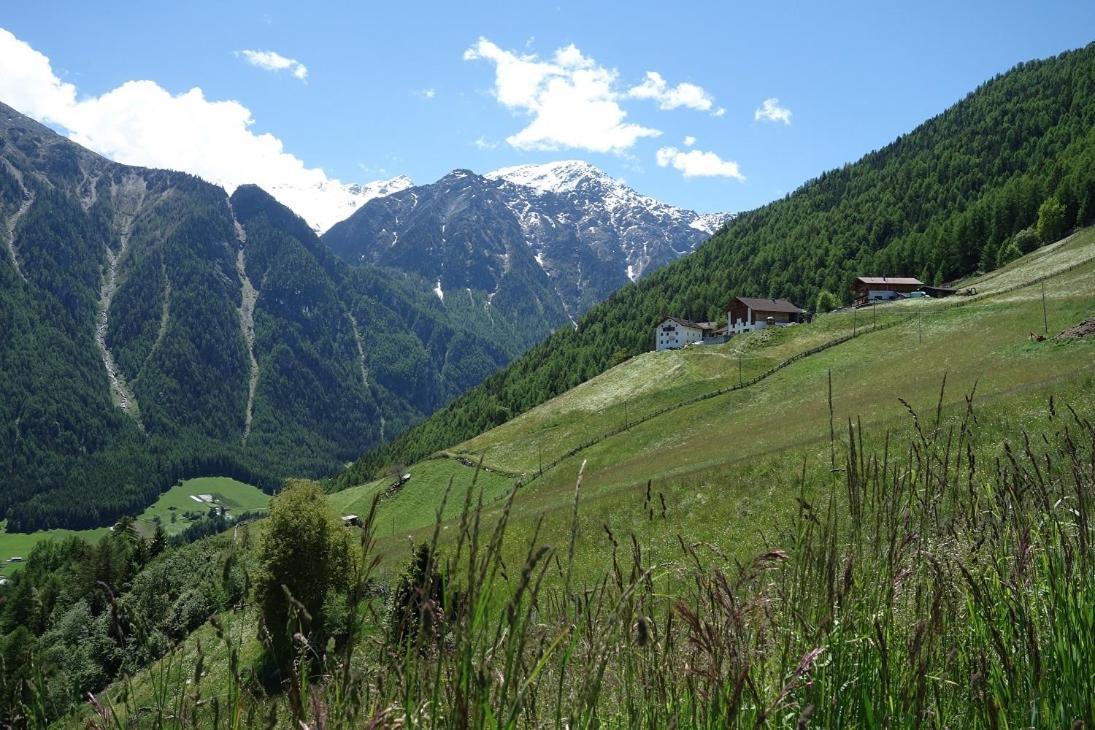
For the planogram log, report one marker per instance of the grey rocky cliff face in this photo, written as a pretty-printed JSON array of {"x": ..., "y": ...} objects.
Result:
[{"x": 588, "y": 233}]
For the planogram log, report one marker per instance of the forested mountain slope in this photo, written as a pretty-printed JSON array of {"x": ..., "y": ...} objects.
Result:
[
  {"x": 941, "y": 202},
  {"x": 152, "y": 328},
  {"x": 458, "y": 235}
]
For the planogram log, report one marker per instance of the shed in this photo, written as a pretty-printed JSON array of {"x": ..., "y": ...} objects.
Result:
[
  {"x": 868, "y": 289},
  {"x": 937, "y": 292}
]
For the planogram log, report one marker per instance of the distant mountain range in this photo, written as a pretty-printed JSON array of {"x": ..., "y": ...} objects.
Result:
[
  {"x": 154, "y": 327},
  {"x": 565, "y": 232}
]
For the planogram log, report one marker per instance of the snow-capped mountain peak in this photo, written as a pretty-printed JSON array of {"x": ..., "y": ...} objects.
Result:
[
  {"x": 326, "y": 203},
  {"x": 565, "y": 225},
  {"x": 555, "y": 177},
  {"x": 645, "y": 232}
]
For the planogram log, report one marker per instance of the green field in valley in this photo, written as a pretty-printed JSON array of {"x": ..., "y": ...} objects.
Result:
[
  {"x": 185, "y": 501},
  {"x": 176, "y": 508}
]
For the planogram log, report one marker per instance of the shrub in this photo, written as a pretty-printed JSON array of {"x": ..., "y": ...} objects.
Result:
[
  {"x": 304, "y": 557},
  {"x": 1007, "y": 254},
  {"x": 1051, "y": 221},
  {"x": 1026, "y": 240},
  {"x": 826, "y": 301},
  {"x": 416, "y": 607}
]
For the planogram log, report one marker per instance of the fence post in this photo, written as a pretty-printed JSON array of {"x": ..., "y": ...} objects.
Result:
[
  {"x": 1045, "y": 316},
  {"x": 832, "y": 433}
]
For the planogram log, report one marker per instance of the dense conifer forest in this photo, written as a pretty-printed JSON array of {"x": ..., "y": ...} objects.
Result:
[
  {"x": 155, "y": 273},
  {"x": 961, "y": 193}
]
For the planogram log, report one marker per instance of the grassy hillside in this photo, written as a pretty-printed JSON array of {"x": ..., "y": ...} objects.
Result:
[
  {"x": 949, "y": 199},
  {"x": 679, "y": 419},
  {"x": 662, "y": 538}
]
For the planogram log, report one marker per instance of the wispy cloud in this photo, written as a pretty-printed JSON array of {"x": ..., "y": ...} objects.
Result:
[
  {"x": 485, "y": 144},
  {"x": 572, "y": 100},
  {"x": 426, "y": 93},
  {"x": 770, "y": 111},
  {"x": 689, "y": 96},
  {"x": 696, "y": 163},
  {"x": 274, "y": 61},
  {"x": 689, "y": 141}
]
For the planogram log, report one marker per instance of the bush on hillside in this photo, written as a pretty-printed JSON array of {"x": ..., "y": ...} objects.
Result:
[
  {"x": 1007, "y": 254},
  {"x": 826, "y": 301},
  {"x": 1026, "y": 240},
  {"x": 1052, "y": 223},
  {"x": 417, "y": 606},
  {"x": 305, "y": 558}
]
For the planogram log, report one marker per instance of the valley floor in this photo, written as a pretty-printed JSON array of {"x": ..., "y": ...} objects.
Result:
[{"x": 171, "y": 510}]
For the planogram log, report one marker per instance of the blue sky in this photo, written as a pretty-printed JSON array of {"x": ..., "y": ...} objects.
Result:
[{"x": 389, "y": 88}]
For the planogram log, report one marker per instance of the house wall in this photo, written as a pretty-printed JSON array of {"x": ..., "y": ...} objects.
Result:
[
  {"x": 882, "y": 292},
  {"x": 757, "y": 320},
  {"x": 737, "y": 311},
  {"x": 670, "y": 335}
]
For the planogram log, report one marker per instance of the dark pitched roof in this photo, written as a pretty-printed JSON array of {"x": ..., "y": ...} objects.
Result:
[
  {"x": 768, "y": 305},
  {"x": 902, "y": 280},
  {"x": 686, "y": 322}
]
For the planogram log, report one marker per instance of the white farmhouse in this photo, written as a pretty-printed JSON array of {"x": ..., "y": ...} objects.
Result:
[{"x": 674, "y": 333}]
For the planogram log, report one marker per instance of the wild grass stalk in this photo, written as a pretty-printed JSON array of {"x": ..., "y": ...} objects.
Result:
[{"x": 930, "y": 580}]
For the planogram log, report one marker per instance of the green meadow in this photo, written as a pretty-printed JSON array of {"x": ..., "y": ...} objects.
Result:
[{"x": 170, "y": 509}]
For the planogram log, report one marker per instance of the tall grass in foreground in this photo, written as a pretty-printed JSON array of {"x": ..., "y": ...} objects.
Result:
[{"x": 942, "y": 582}]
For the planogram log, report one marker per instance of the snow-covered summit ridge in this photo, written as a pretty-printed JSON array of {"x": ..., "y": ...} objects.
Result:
[
  {"x": 555, "y": 177},
  {"x": 647, "y": 232},
  {"x": 326, "y": 203},
  {"x": 578, "y": 176}
]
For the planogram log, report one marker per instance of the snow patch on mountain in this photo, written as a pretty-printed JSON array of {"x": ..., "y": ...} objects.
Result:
[
  {"x": 604, "y": 210},
  {"x": 553, "y": 177},
  {"x": 326, "y": 203}
]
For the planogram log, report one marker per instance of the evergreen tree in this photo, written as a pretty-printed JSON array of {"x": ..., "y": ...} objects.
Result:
[{"x": 304, "y": 558}]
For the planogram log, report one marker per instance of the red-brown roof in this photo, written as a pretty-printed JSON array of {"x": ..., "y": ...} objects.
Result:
[
  {"x": 900, "y": 280},
  {"x": 768, "y": 305}
]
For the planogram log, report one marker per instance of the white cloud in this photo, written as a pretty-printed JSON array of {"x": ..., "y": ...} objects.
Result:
[
  {"x": 689, "y": 96},
  {"x": 484, "y": 144},
  {"x": 695, "y": 163},
  {"x": 572, "y": 100},
  {"x": 689, "y": 141},
  {"x": 426, "y": 93},
  {"x": 771, "y": 111},
  {"x": 141, "y": 123},
  {"x": 274, "y": 61}
]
